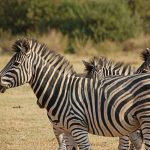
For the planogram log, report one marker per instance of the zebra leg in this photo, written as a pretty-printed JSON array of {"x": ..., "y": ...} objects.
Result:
[
  {"x": 123, "y": 143},
  {"x": 136, "y": 139},
  {"x": 132, "y": 147},
  {"x": 145, "y": 128},
  {"x": 60, "y": 139},
  {"x": 70, "y": 143},
  {"x": 80, "y": 136},
  {"x": 65, "y": 141}
]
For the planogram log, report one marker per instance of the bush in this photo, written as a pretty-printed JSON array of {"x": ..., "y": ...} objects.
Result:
[
  {"x": 97, "y": 20},
  {"x": 13, "y": 16},
  {"x": 143, "y": 8}
]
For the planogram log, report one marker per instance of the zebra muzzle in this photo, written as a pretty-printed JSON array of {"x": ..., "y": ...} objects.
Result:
[{"x": 2, "y": 87}]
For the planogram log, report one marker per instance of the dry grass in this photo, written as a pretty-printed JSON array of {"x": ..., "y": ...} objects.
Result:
[
  {"x": 24, "y": 126},
  {"x": 57, "y": 41}
]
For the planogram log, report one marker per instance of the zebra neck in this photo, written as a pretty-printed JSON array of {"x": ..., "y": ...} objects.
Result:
[{"x": 47, "y": 85}]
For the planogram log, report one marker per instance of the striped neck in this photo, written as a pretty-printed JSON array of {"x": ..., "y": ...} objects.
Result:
[{"x": 46, "y": 84}]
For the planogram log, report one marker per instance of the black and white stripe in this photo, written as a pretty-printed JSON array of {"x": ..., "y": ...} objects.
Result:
[
  {"x": 100, "y": 67},
  {"x": 53, "y": 59}
]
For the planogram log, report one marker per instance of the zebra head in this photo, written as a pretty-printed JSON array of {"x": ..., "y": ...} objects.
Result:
[
  {"x": 100, "y": 67},
  {"x": 18, "y": 70}
]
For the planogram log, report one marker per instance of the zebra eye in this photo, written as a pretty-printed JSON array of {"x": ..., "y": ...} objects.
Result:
[{"x": 16, "y": 63}]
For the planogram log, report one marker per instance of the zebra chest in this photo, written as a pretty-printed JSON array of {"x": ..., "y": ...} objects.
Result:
[
  {"x": 58, "y": 125},
  {"x": 56, "y": 122},
  {"x": 60, "y": 120}
]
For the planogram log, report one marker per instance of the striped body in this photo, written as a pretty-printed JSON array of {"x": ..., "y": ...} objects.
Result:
[
  {"x": 101, "y": 103},
  {"x": 100, "y": 67},
  {"x": 109, "y": 97}
]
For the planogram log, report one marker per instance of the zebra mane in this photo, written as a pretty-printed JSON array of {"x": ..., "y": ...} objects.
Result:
[
  {"x": 145, "y": 55},
  {"x": 97, "y": 63},
  {"x": 145, "y": 66},
  {"x": 43, "y": 51},
  {"x": 21, "y": 45}
]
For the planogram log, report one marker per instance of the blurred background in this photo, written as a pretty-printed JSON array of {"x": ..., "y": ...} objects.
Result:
[{"x": 77, "y": 27}]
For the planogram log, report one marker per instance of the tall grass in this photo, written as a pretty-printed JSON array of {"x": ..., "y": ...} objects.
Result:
[{"x": 57, "y": 41}]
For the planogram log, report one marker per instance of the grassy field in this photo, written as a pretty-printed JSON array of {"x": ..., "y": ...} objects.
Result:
[{"x": 25, "y": 126}]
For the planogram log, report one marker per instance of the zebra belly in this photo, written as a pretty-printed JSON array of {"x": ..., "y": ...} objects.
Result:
[
  {"x": 113, "y": 131},
  {"x": 112, "y": 124}
]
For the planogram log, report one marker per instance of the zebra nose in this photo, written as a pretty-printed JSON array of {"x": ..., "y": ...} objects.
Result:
[
  {"x": 0, "y": 79},
  {"x": 2, "y": 87}
]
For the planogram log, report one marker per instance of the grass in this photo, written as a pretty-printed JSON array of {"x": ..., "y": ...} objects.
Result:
[
  {"x": 57, "y": 41},
  {"x": 24, "y": 126}
]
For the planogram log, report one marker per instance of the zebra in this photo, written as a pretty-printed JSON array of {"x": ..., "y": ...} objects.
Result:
[
  {"x": 61, "y": 63},
  {"x": 99, "y": 67},
  {"x": 75, "y": 105},
  {"x": 38, "y": 49}
]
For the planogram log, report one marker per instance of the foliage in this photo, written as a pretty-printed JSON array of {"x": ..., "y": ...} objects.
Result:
[
  {"x": 13, "y": 16},
  {"x": 143, "y": 8},
  {"x": 97, "y": 19}
]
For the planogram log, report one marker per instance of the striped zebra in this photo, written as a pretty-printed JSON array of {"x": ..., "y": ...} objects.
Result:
[
  {"x": 79, "y": 106},
  {"x": 60, "y": 63},
  {"x": 100, "y": 67}
]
